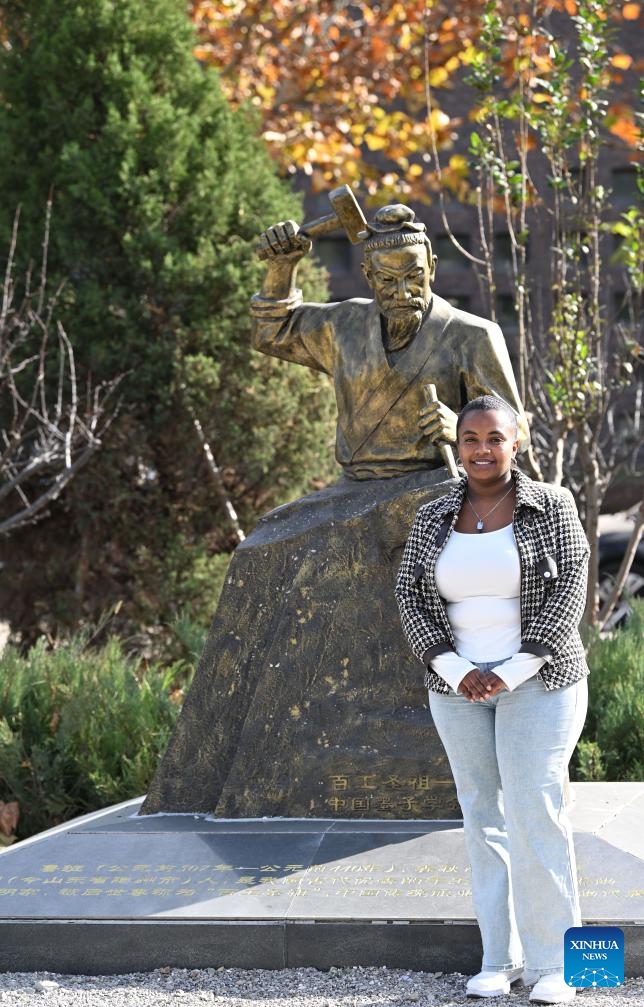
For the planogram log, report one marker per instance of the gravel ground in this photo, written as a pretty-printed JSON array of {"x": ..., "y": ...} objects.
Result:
[{"x": 354, "y": 987}]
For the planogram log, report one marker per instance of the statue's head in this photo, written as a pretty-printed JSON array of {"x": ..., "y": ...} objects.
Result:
[{"x": 399, "y": 267}]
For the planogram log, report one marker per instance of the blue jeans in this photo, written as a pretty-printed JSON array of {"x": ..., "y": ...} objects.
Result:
[{"x": 509, "y": 756}]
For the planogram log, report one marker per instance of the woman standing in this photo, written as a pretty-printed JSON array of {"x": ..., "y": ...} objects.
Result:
[{"x": 491, "y": 590}]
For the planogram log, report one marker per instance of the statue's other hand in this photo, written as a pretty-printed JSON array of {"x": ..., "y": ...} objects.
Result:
[
  {"x": 438, "y": 422},
  {"x": 283, "y": 240}
]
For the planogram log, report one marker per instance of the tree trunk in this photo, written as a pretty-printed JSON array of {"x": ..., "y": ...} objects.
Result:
[{"x": 593, "y": 496}]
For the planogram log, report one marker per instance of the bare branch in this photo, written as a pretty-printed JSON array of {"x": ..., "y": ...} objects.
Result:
[
  {"x": 7, "y": 288},
  {"x": 36, "y": 509},
  {"x": 47, "y": 434},
  {"x": 42, "y": 290},
  {"x": 624, "y": 569},
  {"x": 215, "y": 472},
  {"x": 439, "y": 174}
]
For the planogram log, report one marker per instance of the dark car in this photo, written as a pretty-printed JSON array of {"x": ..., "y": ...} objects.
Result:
[{"x": 612, "y": 546}]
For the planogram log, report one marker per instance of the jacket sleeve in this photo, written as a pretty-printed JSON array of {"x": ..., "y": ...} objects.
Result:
[
  {"x": 561, "y": 613},
  {"x": 302, "y": 335},
  {"x": 422, "y": 622}
]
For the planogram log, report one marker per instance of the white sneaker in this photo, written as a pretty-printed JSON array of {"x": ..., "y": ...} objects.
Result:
[
  {"x": 552, "y": 989},
  {"x": 492, "y": 984}
]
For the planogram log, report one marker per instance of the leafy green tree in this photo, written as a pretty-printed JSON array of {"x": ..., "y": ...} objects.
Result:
[
  {"x": 159, "y": 190},
  {"x": 539, "y": 130}
]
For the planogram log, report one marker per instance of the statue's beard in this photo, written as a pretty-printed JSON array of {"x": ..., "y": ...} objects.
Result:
[{"x": 402, "y": 324}]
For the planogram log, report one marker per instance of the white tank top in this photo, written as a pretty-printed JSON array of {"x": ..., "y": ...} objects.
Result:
[{"x": 479, "y": 578}]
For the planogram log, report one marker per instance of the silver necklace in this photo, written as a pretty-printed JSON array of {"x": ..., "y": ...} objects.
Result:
[{"x": 480, "y": 520}]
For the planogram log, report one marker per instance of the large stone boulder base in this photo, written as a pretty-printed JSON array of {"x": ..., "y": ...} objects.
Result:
[{"x": 307, "y": 701}]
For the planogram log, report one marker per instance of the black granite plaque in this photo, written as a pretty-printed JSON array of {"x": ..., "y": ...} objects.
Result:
[{"x": 138, "y": 892}]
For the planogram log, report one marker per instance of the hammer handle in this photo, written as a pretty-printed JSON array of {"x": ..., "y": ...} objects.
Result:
[
  {"x": 321, "y": 225},
  {"x": 445, "y": 449}
]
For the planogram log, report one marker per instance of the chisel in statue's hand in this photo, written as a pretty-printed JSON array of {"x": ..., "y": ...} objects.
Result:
[{"x": 445, "y": 449}]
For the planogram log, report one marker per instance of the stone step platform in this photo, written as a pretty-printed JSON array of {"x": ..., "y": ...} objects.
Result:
[{"x": 114, "y": 892}]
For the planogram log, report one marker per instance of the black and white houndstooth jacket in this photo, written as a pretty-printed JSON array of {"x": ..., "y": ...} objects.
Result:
[{"x": 553, "y": 552}]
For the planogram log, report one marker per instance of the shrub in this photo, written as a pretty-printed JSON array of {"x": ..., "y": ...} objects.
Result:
[
  {"x": 612, "y": 744},
  {"x": 80, "y": 728}
]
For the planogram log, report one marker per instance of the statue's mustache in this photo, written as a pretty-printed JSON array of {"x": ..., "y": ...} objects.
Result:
[{"x": 400, "y": 307}]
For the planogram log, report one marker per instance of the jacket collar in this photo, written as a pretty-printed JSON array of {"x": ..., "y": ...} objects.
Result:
[{"x": 528, "y": 494}]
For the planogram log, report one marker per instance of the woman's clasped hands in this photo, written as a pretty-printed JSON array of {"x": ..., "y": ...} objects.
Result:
[{"x": 477, "y": 686}]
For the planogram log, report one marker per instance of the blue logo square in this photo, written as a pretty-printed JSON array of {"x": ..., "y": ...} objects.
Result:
[{"x": 594, "y": 957}]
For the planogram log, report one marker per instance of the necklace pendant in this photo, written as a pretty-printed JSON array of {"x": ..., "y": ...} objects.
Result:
[{"x": 479, "y": 525}]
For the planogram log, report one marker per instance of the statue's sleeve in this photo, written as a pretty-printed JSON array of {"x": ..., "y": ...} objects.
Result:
[
  {"x": 303, "y": 335},
  {"x": 489, "y": 372}
]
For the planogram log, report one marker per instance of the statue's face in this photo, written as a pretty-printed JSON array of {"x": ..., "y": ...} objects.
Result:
[{"x": 401, "y": 281}]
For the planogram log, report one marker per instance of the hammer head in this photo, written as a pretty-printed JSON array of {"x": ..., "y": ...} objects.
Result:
[
  {"x": 281, "y": 239},
  {"x": 349, "y": 214}
]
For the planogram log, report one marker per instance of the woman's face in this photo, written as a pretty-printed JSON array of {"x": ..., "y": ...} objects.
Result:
[{"x": 487, "y": 444}]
